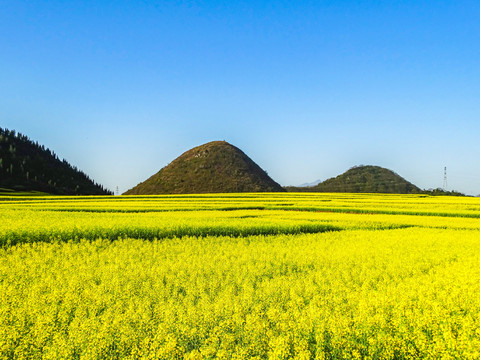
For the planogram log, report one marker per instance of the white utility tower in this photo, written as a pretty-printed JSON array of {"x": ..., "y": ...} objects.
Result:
[{"x": 445, "y": 179}]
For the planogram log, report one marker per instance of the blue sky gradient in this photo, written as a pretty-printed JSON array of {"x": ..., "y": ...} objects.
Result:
[{"x": 307, "y": 89}]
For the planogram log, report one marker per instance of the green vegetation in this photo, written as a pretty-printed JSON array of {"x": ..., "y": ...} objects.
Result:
[
  {"x": 364, "y": 179},
  {"x": 215, "y": 167},
  {"x": 26, "y": 166},
  {"x": 442, "y": 192},
  {"x": 10, "y": 192}
]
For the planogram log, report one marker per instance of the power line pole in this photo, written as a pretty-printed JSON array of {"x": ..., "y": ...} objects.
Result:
[{"x": 445, "y": 179}]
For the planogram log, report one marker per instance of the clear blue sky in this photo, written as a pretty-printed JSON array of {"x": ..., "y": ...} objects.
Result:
[{"x": 307, "y": 89}]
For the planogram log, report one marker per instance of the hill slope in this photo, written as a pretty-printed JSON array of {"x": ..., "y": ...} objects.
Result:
[
  {"x": 215, "y": 167},
  {"x": 365, "y": 179},
  {"x": 28, "y": 166}
]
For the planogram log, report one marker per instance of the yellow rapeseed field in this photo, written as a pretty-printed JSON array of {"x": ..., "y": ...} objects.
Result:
[{"x": 240, "y": 276}]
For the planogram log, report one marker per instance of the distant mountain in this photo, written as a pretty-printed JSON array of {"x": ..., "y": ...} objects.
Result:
[
  {"x": 364, "y": 179},
  {"x": 215, "y": 167},
  {"x": 28, "y": 166},
  {"x": 310, "y": 184}
]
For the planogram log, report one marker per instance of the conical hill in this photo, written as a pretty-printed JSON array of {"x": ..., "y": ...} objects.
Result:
[{"x": 215, "y": 167}]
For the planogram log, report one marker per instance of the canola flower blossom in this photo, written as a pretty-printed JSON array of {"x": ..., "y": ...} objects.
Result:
[{"x": 254, "y": 276}]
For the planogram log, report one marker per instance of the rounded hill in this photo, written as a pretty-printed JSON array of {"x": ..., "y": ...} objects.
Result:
[
  {"x": 365, "y": 179},
  {"x": 215, "y": 167}
]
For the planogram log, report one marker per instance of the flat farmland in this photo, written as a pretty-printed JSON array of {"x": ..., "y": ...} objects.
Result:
[{"x": 240, "y": 276}]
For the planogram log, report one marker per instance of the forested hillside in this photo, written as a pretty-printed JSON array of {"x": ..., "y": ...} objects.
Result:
[
  {"x": 364, "y": 179},
  {"x": 25, "y": 166}
]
